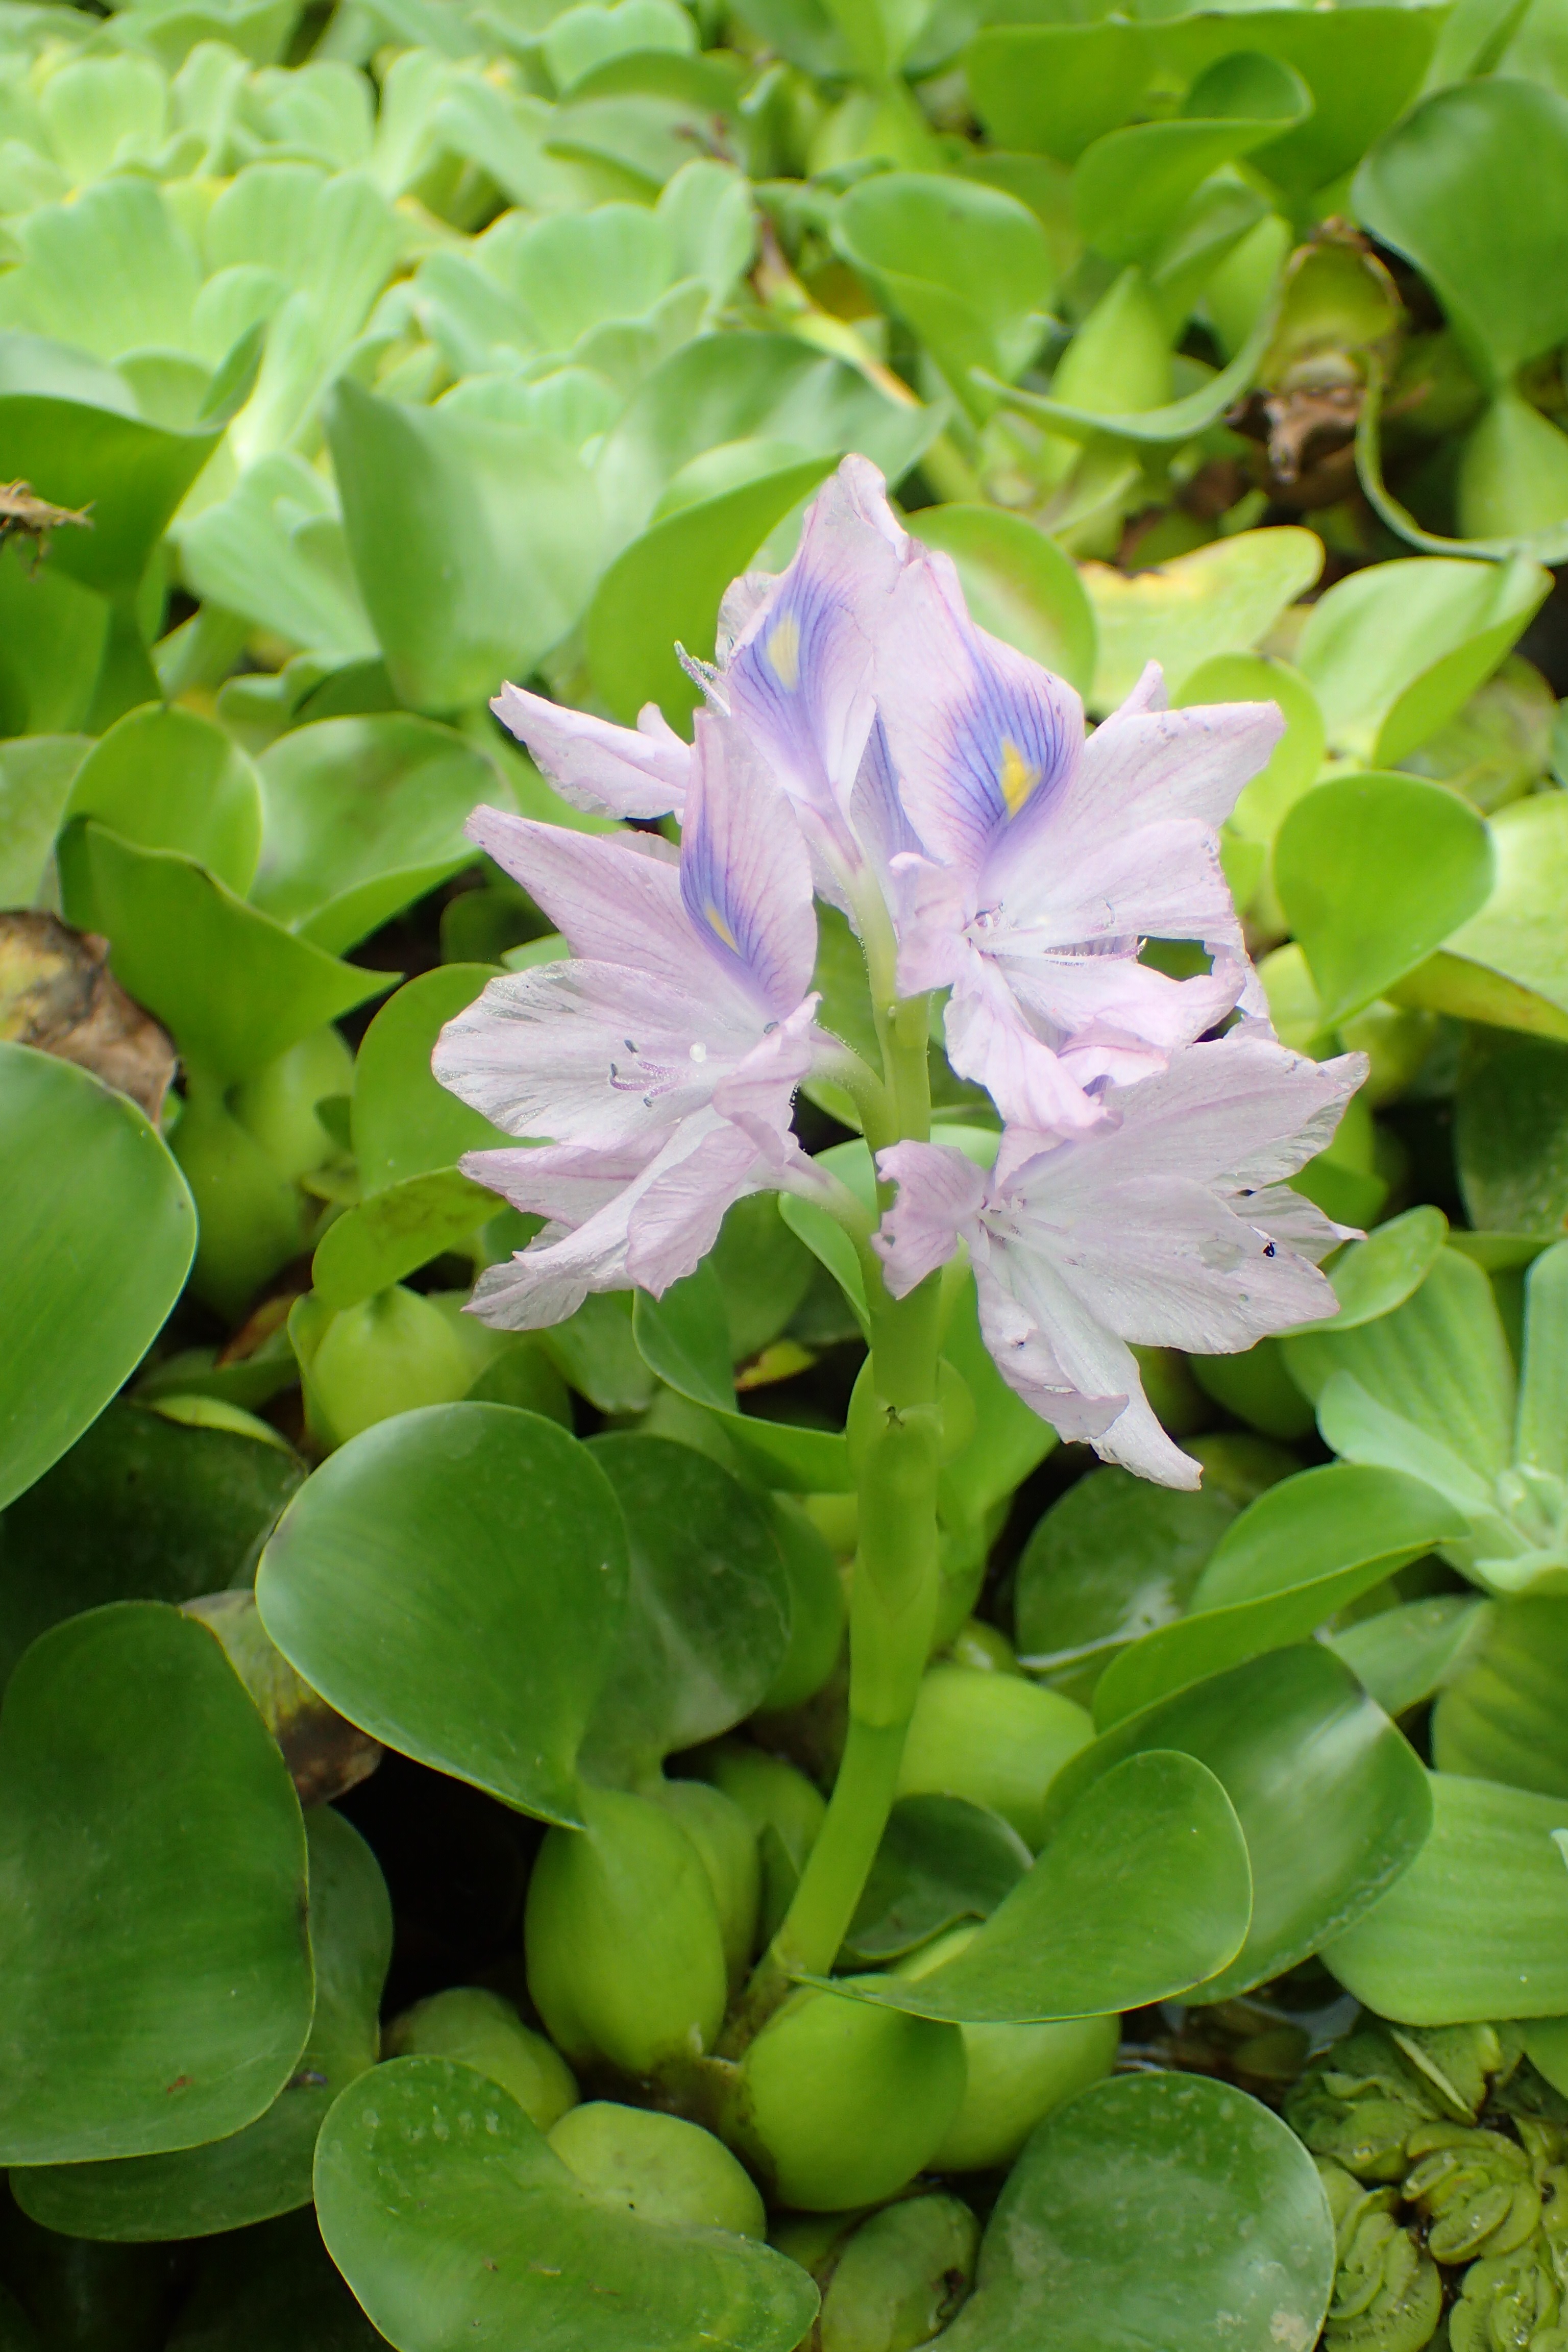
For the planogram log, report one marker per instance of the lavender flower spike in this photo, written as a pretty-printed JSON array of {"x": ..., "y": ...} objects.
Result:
[
  {"x": 661, "y": 1062},
  {"x": 794, "y": 669},
  {"x": 1049, "y": 859},
  {"x": 1168, "y": 1224}
]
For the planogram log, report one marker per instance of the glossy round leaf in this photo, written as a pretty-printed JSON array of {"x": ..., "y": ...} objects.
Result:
[
  {"x": 81, "y": 1170},
  {"x": 455, "y": 2222},
  {"x": 1155, "y": 2210},
  {"x": 166, "y": 779},
  {"x": 452, "y": 1580},
  {"x": 228, "y": 2184},
  {"x": 1375, "y": 873},
  {"x": 941, "y": 1860},
  {"x": 1141, "y": 1890},
  {"x": 363, "y": 816},
  {"x": 706, "y": 1617},
  {"x": 404, "y": 1123},
  {"x": 1330, "y": 1798},
  {"x": 156, "y": 1967}
]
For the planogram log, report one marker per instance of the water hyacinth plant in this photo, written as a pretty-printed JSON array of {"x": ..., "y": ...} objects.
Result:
[{"x": 784, "y": 1111}]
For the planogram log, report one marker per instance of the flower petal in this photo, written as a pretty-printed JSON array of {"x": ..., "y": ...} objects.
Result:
[
  {"x": 607, "y": 769},
  {"x": 938, "y": 1200},
  {"x": 745, "y": 877},
  {"x": 615, "y": 899},
  {"x": 978, "y": 732},
  {"x": 588, "y": 1054},
  {"x": 990, "y": 1041}
]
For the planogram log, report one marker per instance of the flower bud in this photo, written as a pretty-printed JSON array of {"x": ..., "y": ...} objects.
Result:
[
  {"x": 995, "y": 1739},
  {"x": 1015, "y": 2074},
  {"x": 659, "y": 2166},
  {"x": 839, "y": 2101},
  {"x": 250, "y": 1219},
  {"x": 899, "y": 2277},
  {"x": 387, "y": 1355},
  {"x": 277, "y": 1105},
  {"x": 726, "y": 1844},
  {"x": 485, "y": 2032},
  {"x": 626, "y": 1956}
]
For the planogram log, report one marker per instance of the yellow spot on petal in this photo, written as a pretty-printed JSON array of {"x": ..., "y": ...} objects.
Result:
[
  {"x": 783, "y": 652},
  {"x": 721, "y": 927},
  {"x": 1017, "y": 778}
]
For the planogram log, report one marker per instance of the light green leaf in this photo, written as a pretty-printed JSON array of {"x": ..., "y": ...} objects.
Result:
[
  {"x": 1500, "y": 1717},
  {"x": 474, "y": 1638},
  {"x": 166, "y": 779},
  {"x": 35, "y": 777},
  {"x": 404, "y": 1121},
  {"x": 396, "y": 1230},
  {"x": 1371, "y": 1278},
  {"x": 1155, "y": 2208},
  {"x": 1220, "y": 599},
  {"x": 1375, "y": 873},
  {"x": 80, "y": 1168},
  {"x": 451, "y": 2215},
  {"x": 363, "y": 816},
  {"x": 1402, "y": 1655},
  {"x": 274, "y": 552},
  {"x": 1518, "y": 932},
  {"x": 152, "y": 1833},
  {"x": 236, "y": 989},
  {"x": 1477, "y": 1927}
]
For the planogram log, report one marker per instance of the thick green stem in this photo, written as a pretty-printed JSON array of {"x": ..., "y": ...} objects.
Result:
[{"x": 895, "y": 1440}]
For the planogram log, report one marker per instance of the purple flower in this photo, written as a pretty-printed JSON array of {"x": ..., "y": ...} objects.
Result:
[
  {"x": 660, "y": 1063},
  {"x": 1168, "y": 1224},
  {"x": 794, "y": 672},
  {"x": 1048, "y": 859}
]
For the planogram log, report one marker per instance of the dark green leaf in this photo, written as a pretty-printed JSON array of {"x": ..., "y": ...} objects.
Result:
[
  {"x": 80, "y": 1167},
  {"x": 152, "y": 1834},
  {"x": 941, "y": 1861},
  {"x": 684, "y": 1338},
  {"x": 276, "y": 2289},
  {"x": 452, "y": 2217},
  {"x": 452, "y": 1580}
]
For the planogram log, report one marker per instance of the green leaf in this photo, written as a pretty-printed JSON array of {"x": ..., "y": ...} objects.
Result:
[
  {"x": 1518, "y": 931},
  {"x": 35, "y": 778},
  {"x": 665, "y": 588},
  {"x": 1219, "y": 599},
  {"x": 451, "y": 1580},
  {"x": 1402, "y": 1655},
  {"x": 1304, "y": 1550},
  {"x": 941, "y": 1861},
  {"x": 264, "y": 2170},
  {"x": 1510, "y": 1133},
  {"x": 723, "y": 389},
  {"x": 1467, "y": 187},
  {"x": 965, "y": 266},
  {"x": 1393, "y": 651},
  {"x": 276, "y": 2289},
  {"x": 1375, "y": 873},
  {"x": 1141, "y": 1890},
  {"x": 363, "y": 816},
  {"x": 273, "y": 550},
  {"x": 1017, "y": 583},
  {"x": 82, "y": 445},
  {"x": 1009, "y": 1440},
  {"x": 1132, "y": 183},
  {"x": 475, "y": 544},
  {"x": 143, "y": 1506},
  {"x": 53, "y": 635},
  {"x": 404, "y": 1123},
  {"x": 1115, "y": 1558},
  {"x": 451, "y": 2217},
  {"x": 236, "y": 989},
  {"x": 1331, "y": 1799},
  {"x": 395, "y": 1231},
  {"x": 683, "y": 1338},
  {"x": 1439, "y": 1360},
  {"x": 1477, "y": 1927},
  {"x": 707, "y": 1619},
  {"x": 1299, "y": 754},
  {"x": 1511, "y": 470},
  {"x": 80, "y": 1168},
  {"x": 165, "y": 779},
  {"x": 1500, "y": 1717},
  {"x": 151, "y": 1832},
  {"x": 1155, "y": 2208},
  {"x": 1163, "y": 420},
  {"x": 1371, "y": 1278}
]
